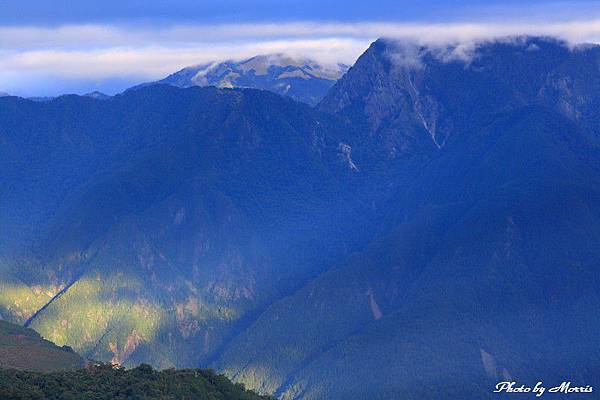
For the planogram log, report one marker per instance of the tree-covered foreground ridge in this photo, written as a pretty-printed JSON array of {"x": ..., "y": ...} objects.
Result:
[
  {"x": 110, "y": 382},
  {"x": 32, "y": 368}
]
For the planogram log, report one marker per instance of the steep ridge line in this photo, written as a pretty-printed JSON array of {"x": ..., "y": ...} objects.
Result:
[
  {"x": 289, "y": 380},
  {"x": 53, "y": 299},
  {"x": 82, "y": 271},
  {"x": 290, "y": 377}
]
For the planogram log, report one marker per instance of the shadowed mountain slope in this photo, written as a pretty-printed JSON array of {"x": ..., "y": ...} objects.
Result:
[{"x": 487, "y": 261}]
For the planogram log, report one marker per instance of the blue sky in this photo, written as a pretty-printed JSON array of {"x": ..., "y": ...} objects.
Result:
[
  {"x": 58, "y": 12},
  {"x": 59, "y": 46}
]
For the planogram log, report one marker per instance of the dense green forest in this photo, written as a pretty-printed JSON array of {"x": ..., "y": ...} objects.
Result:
[
  {"x": 33, "y": 368},
  {"x": 105, "y": 381}
]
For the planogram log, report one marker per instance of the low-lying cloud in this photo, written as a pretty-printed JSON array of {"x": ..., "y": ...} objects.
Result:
[{"x": 137, "y": 53}]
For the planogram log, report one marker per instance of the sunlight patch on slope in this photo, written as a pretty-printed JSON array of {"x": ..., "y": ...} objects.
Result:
[
  {"x": 18, "y": 301},
  {"x": 90, "y": 316}
]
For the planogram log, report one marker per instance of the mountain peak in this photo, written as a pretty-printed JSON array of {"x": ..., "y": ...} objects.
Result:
[
  {"x": 262, "y": 63},
  {"x": 404, "y": 52},
  {"x": 302, "y": 79},
  {"x": 97, "y": 95},
  {"x": 415, "y": 95}
]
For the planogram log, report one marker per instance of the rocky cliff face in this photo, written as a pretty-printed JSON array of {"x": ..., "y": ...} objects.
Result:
[{"x": 413, "y": 98}]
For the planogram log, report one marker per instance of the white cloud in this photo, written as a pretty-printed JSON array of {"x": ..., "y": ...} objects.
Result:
[
  {"x": 143, "y": 52},
  {"x": 93, "y": 36},
  {"x": 155, "y": 61}
]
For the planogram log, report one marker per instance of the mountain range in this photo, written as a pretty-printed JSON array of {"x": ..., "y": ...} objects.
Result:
[
  {"x": 429, "y": 228},
  {"x": 301, "y": 79}
]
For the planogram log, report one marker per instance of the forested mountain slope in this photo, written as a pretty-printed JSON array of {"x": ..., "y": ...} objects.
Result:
[{"x": 169, "y": 216}]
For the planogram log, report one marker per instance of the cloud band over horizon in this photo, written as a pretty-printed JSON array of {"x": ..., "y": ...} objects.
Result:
[{"x": 78, "y": 58}]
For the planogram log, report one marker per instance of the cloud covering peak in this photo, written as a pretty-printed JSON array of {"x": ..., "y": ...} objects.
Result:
[{"x": 49, "y": 60}]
